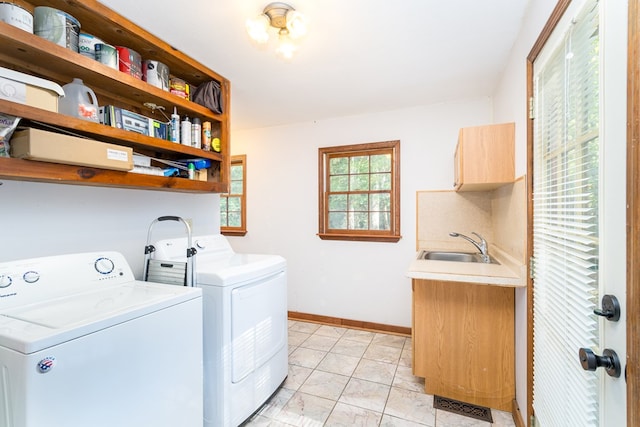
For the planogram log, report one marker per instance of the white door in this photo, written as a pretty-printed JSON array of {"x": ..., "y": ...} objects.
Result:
[{"x": 579, "y": 216}]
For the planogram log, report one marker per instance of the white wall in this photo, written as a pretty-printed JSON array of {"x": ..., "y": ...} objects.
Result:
[
  {"x": 510, "y": 103},
  {"x": 354, "y": 280},
  {"x": 42, "y": 219}
]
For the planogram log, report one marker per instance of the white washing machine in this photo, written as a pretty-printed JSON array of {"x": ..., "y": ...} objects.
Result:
[
  {"x": 245, "y": 325},
  {"x": 82, "y": 343}
]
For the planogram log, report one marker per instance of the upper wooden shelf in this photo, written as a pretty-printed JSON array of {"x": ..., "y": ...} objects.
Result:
[
  {"x": 30, "y": 54},
  {"x": 21, "y": 49}
]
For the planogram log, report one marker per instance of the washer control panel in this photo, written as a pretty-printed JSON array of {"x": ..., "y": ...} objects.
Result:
[{"x": 36, "y": 279}]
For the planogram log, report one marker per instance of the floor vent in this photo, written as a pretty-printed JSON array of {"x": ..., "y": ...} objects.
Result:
[{"x": 462, "y": 408}]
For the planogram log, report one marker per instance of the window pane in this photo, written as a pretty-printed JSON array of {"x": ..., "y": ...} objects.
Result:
[
  {"x": 359, "y": 202},
  {"x": 235, "y": 204},
  {"x": 338, "y": 202},
  {"x": 381, "y": 181},
  {"x": 380, "y": 221},
  {"x": 380, "y": 202},
  {"x": 381, "y": 163},
  {"x": 223, "y": 204},
  {"x": 339, "y": 183},
  {"x": 235, "y": 220},
  {"x": 338, "y": 220},
  {"x": 223, "y": 219},
  {"x": 236, "y": 187},
  {"x": 359, "y": 164},
  {"x": 359, "y": 183},
  {"x": 358, "y": 221},
  {"x": 236, "y": 172},
  {"x": 339, "y": 165}
]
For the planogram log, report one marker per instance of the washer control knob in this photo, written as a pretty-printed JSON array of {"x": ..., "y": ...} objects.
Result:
[
  {"x": 31, "y": 276},
  {"x": 5, "y": 281},
  {"x": 104, "y": 265}
]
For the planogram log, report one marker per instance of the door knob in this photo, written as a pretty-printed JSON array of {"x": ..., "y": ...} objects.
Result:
[
  {"x": 609, "y": 361},
  {"x": 610, "y": 308}
]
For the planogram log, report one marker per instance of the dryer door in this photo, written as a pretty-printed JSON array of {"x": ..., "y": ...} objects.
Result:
[{"x": 258, "y": 323}]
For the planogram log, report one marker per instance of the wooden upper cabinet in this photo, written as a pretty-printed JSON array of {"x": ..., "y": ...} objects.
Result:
[
  {"x": 27, "y": 53},
  {"x": 484, "y": 157}
]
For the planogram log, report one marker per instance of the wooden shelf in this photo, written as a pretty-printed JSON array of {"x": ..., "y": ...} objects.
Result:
[
  {"x": 30, "y": 54},
  {"x": 28, "y": 170}
]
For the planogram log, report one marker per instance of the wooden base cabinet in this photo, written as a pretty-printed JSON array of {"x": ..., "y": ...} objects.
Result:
[{"x": 463, "y": 341}]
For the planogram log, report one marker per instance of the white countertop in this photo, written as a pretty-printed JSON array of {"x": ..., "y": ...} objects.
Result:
[{"x": 509, "y": 272}]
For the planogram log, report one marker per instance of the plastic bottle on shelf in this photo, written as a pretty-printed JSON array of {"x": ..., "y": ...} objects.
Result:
[
  {"x": 174, "y": 136},
  {"x": 196, "y": 133},
  {"x": 185, "y": 134},
  {"x": 79, "y": 101},
  {"x": 206, "y": 136}
]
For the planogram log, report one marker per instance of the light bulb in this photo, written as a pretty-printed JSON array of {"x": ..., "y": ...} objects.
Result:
[
  {"x": 257, "y": 28},
  {"x": 296, "y": 24},
  {"x": 286, "y": 47}
]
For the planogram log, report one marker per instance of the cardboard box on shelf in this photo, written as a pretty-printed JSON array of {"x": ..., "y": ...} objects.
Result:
[
  {"x": 30, "y": 90},
  {"x": 36, "y": 144}
]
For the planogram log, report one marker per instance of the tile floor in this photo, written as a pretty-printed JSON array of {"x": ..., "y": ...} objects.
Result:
[{"x": 348, "y": 377}]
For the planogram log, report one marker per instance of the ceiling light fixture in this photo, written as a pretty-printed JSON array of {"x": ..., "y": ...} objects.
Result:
[{"x": 290, "y": 24}]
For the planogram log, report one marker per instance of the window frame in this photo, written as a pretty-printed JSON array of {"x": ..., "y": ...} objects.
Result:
[
  {"x": 242, "y": 230},
  {"x": 324, "y": 155}
]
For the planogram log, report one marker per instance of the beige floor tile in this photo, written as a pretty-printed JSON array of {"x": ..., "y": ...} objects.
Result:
[
  {"x": 389, "y": 421},
  {"x": 405, "y": 357},
  {"x": 350, "y": 347},
  {"x": 305, "y": 410},
  {"x": 365, "y": 394},
  {"x": 405, "y": 379},
  {"x": 378, "y": 372},
  {"x": 351, "y": 416},
  {"x": 502, "y": 419},
  {"x": 338, "y": 364},
  {"x": 306, "y": 357},
  {"x": 411, "y": 405},
  {"x": 296, "y": 338},
  {"x": 358, "y": 335},
  {"x": 318, "y": 342},
  {"x": 449, "y": 419},
  {"x": 389, "y": 340},
  {"x": 307, "y": 328},
  {"x": 382, "y": 353},
  {"x": 324, "y": 384},
  {"x": 297, "y": 375},
  {"x": 276, "y": 403},
  {"x": 330, "y": 331}
]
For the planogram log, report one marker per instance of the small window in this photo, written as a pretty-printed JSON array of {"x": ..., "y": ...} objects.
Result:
[
  {"x": 233, "y": 205},
  {"x": 359, "y": 192}
]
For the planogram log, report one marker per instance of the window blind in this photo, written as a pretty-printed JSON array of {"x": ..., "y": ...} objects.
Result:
[{"x": 565, "y": 221}]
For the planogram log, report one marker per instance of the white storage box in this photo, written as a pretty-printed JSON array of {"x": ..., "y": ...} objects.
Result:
[{"x": 27, "y": 89}]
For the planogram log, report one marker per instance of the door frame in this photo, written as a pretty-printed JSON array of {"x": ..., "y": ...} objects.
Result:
[{"x": 633, "y": 206}]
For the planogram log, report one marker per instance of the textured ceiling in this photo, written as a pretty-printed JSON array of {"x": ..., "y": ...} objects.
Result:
[{"x": 360, "y": 56}]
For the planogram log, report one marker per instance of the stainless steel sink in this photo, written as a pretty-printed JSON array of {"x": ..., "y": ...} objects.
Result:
[{"x": 454, "y": 256}]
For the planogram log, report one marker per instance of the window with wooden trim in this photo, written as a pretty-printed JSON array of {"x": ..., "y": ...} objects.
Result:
[
  {"x": 233, "y": 205},
  {"x": 359, "y": 192}
]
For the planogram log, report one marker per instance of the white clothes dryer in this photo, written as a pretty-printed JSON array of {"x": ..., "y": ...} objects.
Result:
[
  {"x": 82, "y": 343},
  {"x": 245, "y": 325}
]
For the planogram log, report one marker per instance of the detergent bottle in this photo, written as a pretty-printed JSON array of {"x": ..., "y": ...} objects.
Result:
[{"x": 79, "y": 101}]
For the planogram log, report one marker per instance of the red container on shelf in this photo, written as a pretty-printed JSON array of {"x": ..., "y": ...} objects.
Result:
[{"x": 129, "y": 62}]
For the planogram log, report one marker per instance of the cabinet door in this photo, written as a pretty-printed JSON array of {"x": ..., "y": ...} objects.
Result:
[
  {"x": 485, "y": 157},
  {"x": 464, "y": 341}
]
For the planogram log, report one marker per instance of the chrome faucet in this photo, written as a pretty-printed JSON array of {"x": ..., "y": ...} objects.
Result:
[{"x": 481, "y": 246}]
